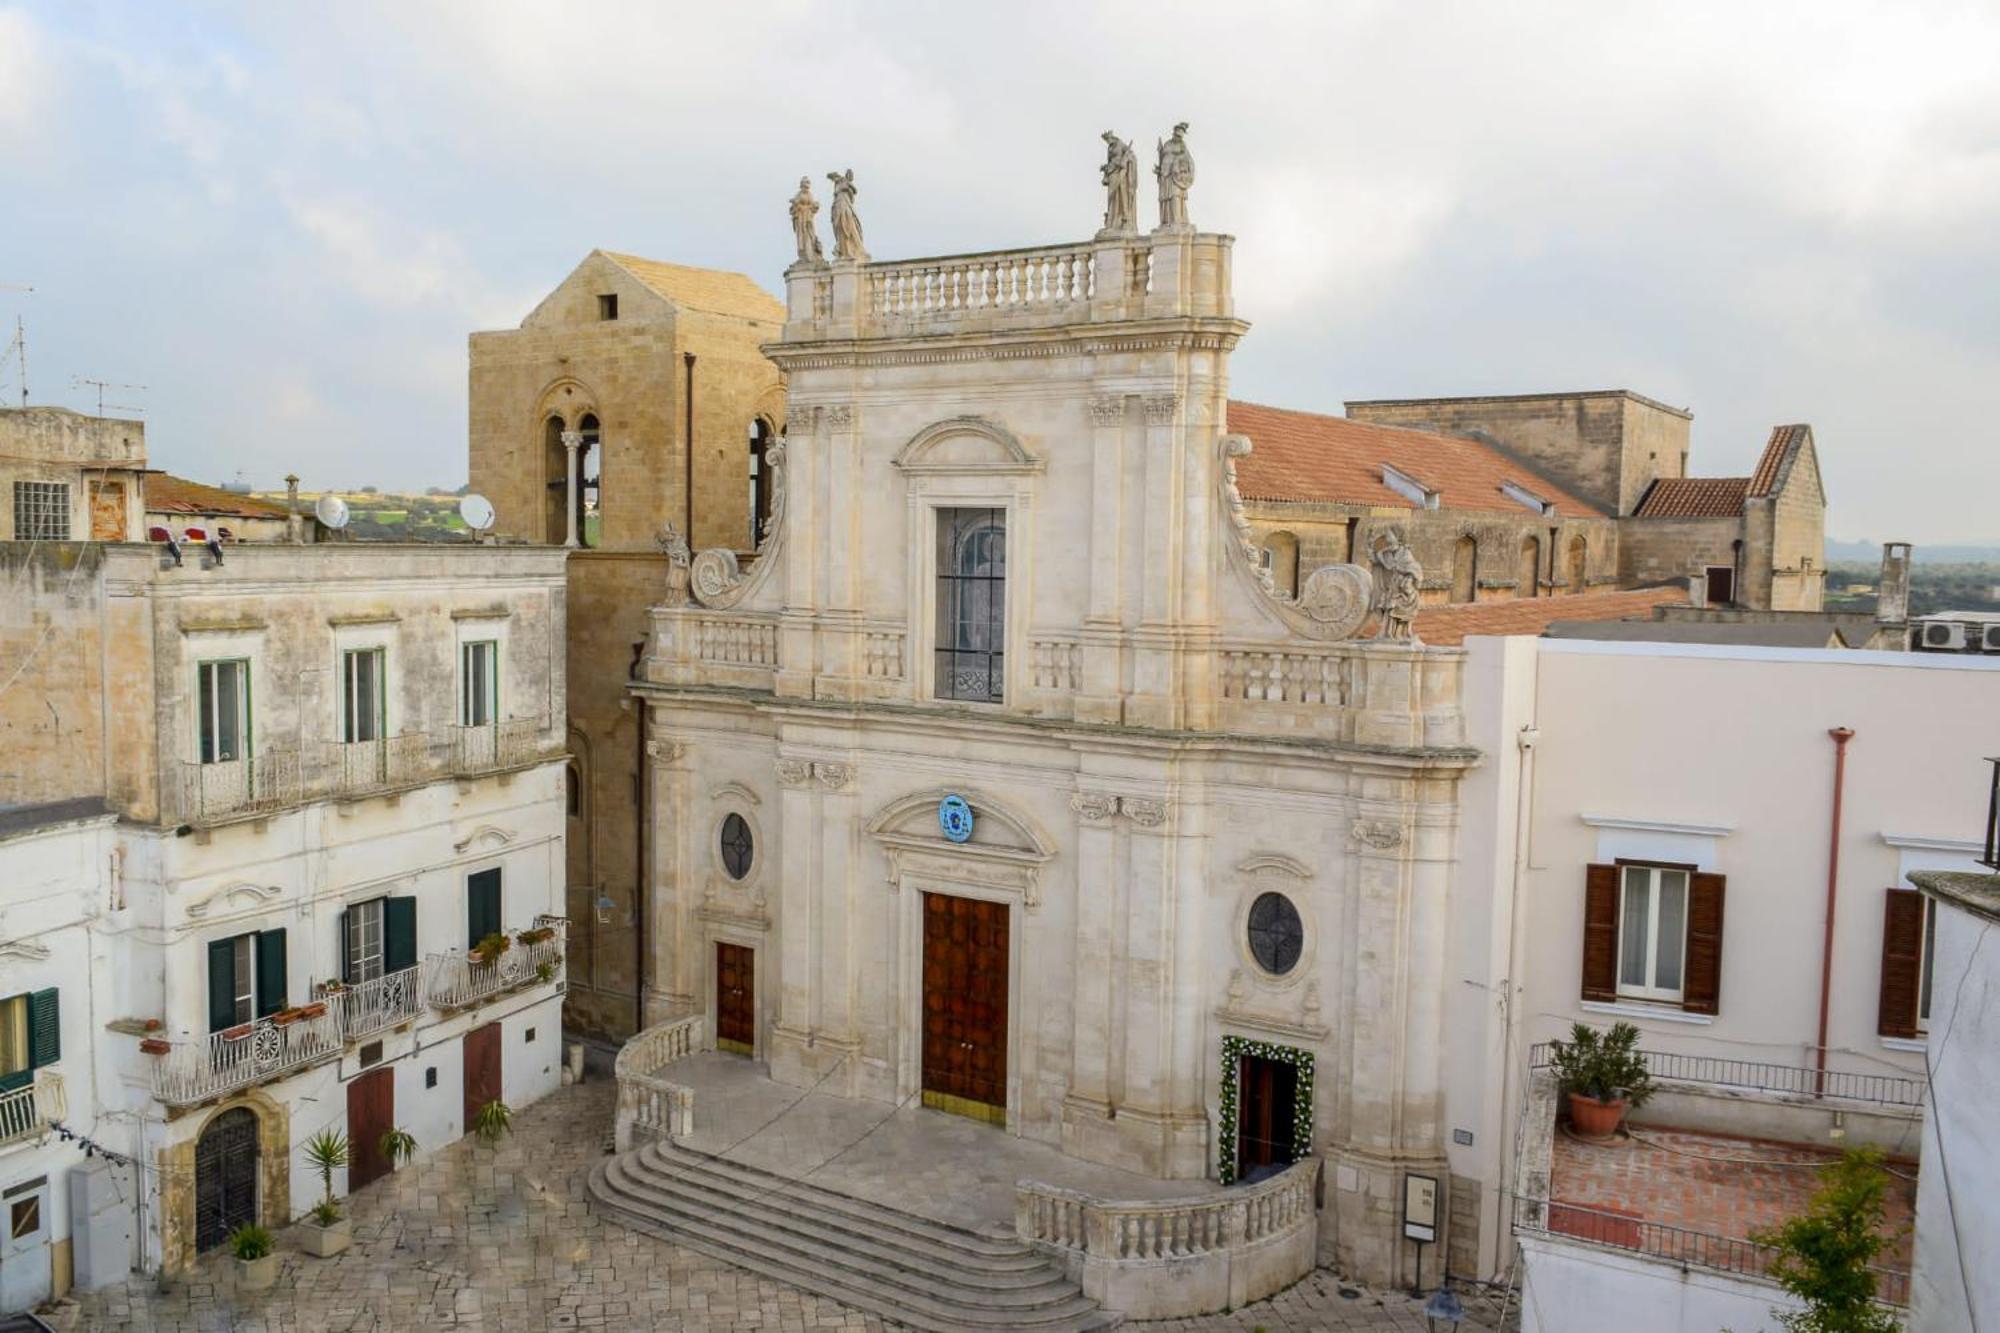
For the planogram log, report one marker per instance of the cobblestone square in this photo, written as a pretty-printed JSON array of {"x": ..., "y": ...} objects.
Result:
[{"x": 503, "y": 1239}]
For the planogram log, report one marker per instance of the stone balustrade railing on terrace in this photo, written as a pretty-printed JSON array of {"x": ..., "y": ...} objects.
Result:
[
  {"x": 1109, "y": 279},
  {"x": 1358, "y": 691},
  {"x": 1172, "y": 1258},
  {"x": 650, "y": 1107}
]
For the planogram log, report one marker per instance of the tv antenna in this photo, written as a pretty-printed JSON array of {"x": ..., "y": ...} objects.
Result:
[
  {"x": 17, "y": 350},
  {"x": 85, "y": 382}
]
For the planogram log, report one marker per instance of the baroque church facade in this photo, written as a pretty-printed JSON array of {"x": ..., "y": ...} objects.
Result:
[{"x": 1006, "y": 780}]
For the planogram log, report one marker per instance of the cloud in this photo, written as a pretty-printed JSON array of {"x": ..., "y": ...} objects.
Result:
[{"x": 25, "y": 76}]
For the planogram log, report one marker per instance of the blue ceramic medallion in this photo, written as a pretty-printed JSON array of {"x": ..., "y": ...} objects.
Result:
[{"x": 955, "y": 819}]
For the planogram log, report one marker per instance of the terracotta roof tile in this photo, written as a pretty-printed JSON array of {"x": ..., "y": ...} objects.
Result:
[
  {"x": 1306, "y": 456},
  {"x": 168, "y": 494},
  {"x": 1447, "y": 626},
  {"x": 1785, "y": 441},
  {"x": 1694, "y": 497},
  {"x": 714, "y": 290}
]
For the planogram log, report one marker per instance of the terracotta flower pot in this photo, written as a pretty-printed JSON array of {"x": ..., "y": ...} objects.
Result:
[
  {"x": 155, "y": 1045},
  {"x": 1594, "y": 1119},
  {"x": 317, "y": 1009}
]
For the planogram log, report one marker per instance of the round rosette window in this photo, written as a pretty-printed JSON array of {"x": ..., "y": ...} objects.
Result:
[
  {"x": 737, "y": 847},
  {"x": 1277, "y": 936},
  {"x": 955, "y": 819}
]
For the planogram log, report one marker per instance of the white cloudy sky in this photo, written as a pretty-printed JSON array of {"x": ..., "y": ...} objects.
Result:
[{"x": 284, "y": 219}]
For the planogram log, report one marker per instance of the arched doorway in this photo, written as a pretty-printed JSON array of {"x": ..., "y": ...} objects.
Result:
[
  {"x": 225, "y": 1177},
  {"x": 1531, "y": 567},
  {"x": 1465, "y": 569},
  {"x": 1579, "y": 564}
]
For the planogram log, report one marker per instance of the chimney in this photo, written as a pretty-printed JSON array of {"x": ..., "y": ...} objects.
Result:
[
  {"x": 292, "y": 508},
  {"x": 1892, "y": 590}
]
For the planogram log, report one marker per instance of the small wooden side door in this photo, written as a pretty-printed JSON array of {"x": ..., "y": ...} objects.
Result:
[
  {"x": 482, "y": 1070},
  {"x": 735, "y": 998},
  {"x": 371, "y": 1113}
]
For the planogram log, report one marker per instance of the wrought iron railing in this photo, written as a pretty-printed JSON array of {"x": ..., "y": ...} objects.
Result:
[
  {"x": 503, "y": 744},
  {"x": 358, "y": 767},
  {"x": 27, "y": 1111},
  {"x": 194, "y": 1071},
  {"x": 368, "y": 1007},
  {"x": 256, "y": 785},
  {"x": 456, "y": 980},
  {"x": 1681, "y": 1246},
  {"x": 1758, "y": 1076}
]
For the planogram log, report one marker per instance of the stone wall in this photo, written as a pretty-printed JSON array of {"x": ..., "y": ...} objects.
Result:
[
  {"x": 1798, "y": 541},
  {"x": 1668, "y": 550},
  {"x": 100, "y": 459},
  {"x": 1462, "y": 1227},
  {"x": 177, "y": 1177},
  {"x": 1605, "y": 447},
  {"x": 52, "y": 718}
]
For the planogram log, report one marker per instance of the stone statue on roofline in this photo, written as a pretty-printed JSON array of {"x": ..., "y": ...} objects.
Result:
[
  {"x": 1175, "y": 173},
  {"x": 675, "y": 547},
  {"x": 1398, "y": 577},
  {"x": 846, "y": 222},
  {"x": 805, "y": 230},
  {"x": 1120, "y": 175}
]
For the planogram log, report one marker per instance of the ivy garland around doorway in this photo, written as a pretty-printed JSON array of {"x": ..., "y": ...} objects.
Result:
[{"x": 1233, "y": 1051}]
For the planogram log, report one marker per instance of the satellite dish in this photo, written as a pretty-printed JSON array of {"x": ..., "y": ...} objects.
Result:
[
  {"x": 331, "y": 510},
  {"x": 477, "y": 511}
]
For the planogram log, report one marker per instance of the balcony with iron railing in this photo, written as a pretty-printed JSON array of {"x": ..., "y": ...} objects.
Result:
[
  {"x": 282, "y": 778},
  {"x": 27, "y": 1112},
  {"x": 189, "y": 1072},
  {"x": 461, "y": 980},
  {"x": 378, "y": 1004}
]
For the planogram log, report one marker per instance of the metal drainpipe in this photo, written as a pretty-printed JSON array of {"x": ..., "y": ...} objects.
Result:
[
  {"x": 1841, "y": 736},
  {"x": 687, "y": 447}
]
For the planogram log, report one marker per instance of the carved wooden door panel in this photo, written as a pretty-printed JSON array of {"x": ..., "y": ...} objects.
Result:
[
  {"x": 371, "y": 1112},
  {"x": 965, "y": 1007},
  {"x": 735, "y": 999}
]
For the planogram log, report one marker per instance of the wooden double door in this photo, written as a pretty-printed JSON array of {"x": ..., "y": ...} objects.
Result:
[
  {"x": 1266, "y": 1104},
  {"x": 735, "y": 998},
  {"x": 371, "y": 1113},
  {"x": 482, "y": 1070},
  {"x": 965, "y": 1007}
]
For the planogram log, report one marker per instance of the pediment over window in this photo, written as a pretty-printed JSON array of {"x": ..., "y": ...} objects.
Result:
[{"x": 966, "y": 446}]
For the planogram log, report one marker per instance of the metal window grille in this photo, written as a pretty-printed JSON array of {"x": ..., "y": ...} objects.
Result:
[
  {"x": 41, "y": 511},
  {"x": 971, "y": 604}
]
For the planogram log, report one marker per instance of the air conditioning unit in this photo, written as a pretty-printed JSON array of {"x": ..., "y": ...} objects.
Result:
[
  {"x": 1943, "y": 636},
  {"x": 1989, "y": 638}
]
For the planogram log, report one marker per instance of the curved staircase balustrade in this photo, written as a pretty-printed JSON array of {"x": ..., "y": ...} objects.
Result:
[
  {"x": 1172, "y": 1258},
  {"x": 650, "y": 1107}
]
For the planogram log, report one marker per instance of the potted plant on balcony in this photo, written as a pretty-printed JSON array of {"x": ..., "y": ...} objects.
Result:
[
  {"x": 256, "y": 1257},
  {"x": 326, "y": 1234},
  {"x": 535, "y": 935},
  {"x": 545, "y": 971},
  {"x": 316, "y": 1009},
  {"x": 489, "y": 949},
  {"x": 284, "y": 1018},
  {"x": 1602, "y": 1075}
]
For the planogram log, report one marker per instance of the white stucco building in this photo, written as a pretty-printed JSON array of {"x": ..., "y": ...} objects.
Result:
[{"x": 337, "y": 768}]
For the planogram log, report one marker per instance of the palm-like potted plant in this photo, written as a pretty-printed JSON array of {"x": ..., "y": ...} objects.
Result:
[
  {"x": 492, "y": 1122},
  {"x": 1603, "y": 1076},
  {"x": 256, "y": 1257},
  {"x": 327, "y": 1233},
  {"x": 398, "y": 1145}
]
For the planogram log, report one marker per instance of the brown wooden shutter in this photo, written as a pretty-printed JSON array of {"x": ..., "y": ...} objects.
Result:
[
  {"x": 1701, "y": 988},
  {"x": 1600, "y": 932},
  {"x": 1902, "y": 957}
]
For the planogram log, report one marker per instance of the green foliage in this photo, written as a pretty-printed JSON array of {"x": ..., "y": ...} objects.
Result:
[
  {"x": 492, "y": 946},
  {"x": 251, "y": 1241},
  {"x": 326, "y": 1212},
  {"x": 1825, "y": 1254},
  {"x": 492, "y": 1121},
  {"x": 326, "y": 1152},
  {"x": 1604, "y": 1065},
  {"x": 398, "y": 1145},
  {"x": 545, "y": 972}
]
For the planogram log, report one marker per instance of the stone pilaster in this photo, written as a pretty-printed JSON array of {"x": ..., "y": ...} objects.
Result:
[{"x": 672, "y": 845}]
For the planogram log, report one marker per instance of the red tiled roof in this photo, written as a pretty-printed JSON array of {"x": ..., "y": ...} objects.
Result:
[
  {"x": 168, "y": 494},
  {"x": 1447, "y": 626},
  {"x": 1785, "y": 440},
  {"x": 1694, "y": 497},
  {"x": 1306, "y": 456}
]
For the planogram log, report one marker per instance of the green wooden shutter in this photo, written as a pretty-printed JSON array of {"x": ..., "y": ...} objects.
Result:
[
  {"x": 482, "y": 905},
  {"x": 221, "y": 984},
  {"x": 44, "y": 1028},
  {"x": 270, "y": 972},
  {"x": 346, "y": 950},
  {"x": 399, "y": 934}
]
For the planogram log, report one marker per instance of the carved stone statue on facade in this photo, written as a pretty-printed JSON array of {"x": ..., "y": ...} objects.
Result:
[
  {"x": 805, "y": 231},
  {"x": 846, "y": 222},
  {"x": 675, "y": 547},
  {"x": 1120, "y": 174},
  {"x": 1398, "y": 577},
  {"x": 1175, "y": 173}
]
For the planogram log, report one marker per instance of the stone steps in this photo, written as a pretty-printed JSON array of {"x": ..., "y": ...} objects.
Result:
[{"x": 905, "y": 1268}]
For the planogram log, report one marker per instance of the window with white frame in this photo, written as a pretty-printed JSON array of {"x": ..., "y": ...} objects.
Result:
[
  {"x": 1652, "y": 932},
  {"x": 363, "y": 714},
  {"x": 41, "y": 511},
  {"x": 222, "y": 692},
  {"x": 364, "y": 940},
  {"x": 971, "y": 645},
  {"x": 478, "y": 682}
]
